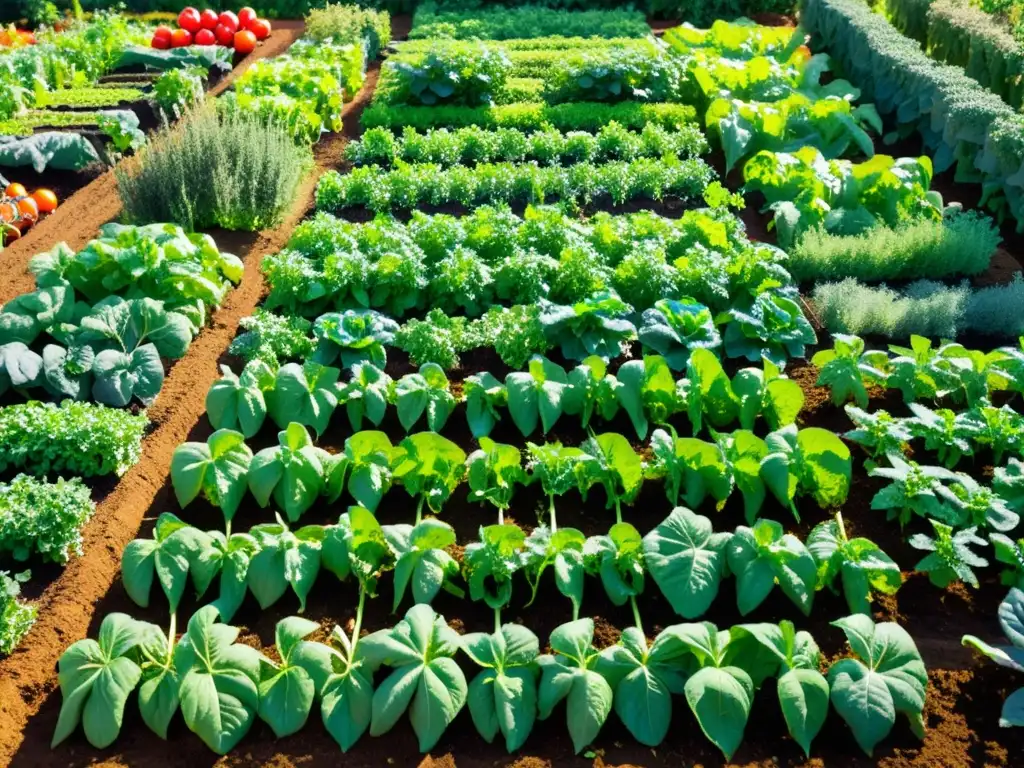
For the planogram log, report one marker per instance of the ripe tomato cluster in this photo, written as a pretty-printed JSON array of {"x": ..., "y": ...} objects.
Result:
[
  {"x": 11, "y": 37},
  {"x": 19, "y": 210},
  {"x": 239, "y": 31}
]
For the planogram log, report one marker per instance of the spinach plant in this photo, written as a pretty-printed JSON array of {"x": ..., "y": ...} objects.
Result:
[
  {"x": 289, "y": 688},
  {"x": 239, "y": 402},
  {"x": 356, "y": 546},
  {"x": 687, "y": 560},
  {"x": 764, "y": 555},
  {"x": 218, "y": 469},
  {"x": 616, "y": 466},
  {"x": 490, "y": 563},
  {"x": 292, "y": 472},
  {"x": 493, "y": 471},
  {"x": 536, "y": 395},
  {"x": 802, "y": 690},
  {"x": 422, "y": 563},
  {"x": 808, "y": 461},
  {"x": 502, "y": 697},
  {"x": 425, "y": 391},
  {"x": 429, "y": 467},
  {"x": 886, "y": 678},
  {"x": 572, "y": 672},
  {"x": 878, "y": 433},
  {"x": 485, "y": 396},
  {"x": 913, "y": 489},
  {"x": 366, "y": 394},
  {"x": 847, "y": 369},
  {"x": 306, "y": 394},
  {"x": 425, "y": 679},
  {"x": 862, "y": 565}
]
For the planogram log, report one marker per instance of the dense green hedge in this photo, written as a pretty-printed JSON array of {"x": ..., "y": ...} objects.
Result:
[{"x": 961, "y": 124}]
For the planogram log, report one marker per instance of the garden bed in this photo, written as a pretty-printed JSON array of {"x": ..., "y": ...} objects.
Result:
[{"x": 964, "y": 695}]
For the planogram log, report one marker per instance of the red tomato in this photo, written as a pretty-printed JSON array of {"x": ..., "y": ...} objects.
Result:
[
  {"x": 224, "y": 35},
  {"x": 15, "y": 190},
  {"x": 162, "y": 31},
  {"x": 188, "y": 20},
  {"x": 160, "y": 42},
  {"x": 246, "y": 16},
  {"x": 180, "y": 38},
  {"x": 46, "y": 201},
  {"x": 205, "y": 37},
  {"x": 245, "y": 41},
  {"x": 260, "y": 28},
  {"x": 9, "y": 233},
  {"x": 208, "y": 19},
  {"x": 229, "y": 20}
]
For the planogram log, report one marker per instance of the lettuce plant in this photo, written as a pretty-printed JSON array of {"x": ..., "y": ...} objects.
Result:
[
  {"x": 594, "y": 326},
  {"x": 770, "y": 326},
  {"x": 673, "y": 328},
  {"x": 16, "y": 616},
  {"x": 354, "y": 335},
  {"x": 1008, "y": 482}
]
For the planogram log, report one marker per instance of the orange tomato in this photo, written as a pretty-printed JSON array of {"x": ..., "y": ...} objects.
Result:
[
  {"x": 15, "y": 190},
  {"x": 45, "y": 200},
  {"x": 8, "y": 211},
  {"x": 28, "y": 209},
  {"x": 245, "y": 42}
]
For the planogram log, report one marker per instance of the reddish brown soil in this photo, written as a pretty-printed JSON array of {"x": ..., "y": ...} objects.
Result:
[
  {"x": 67, "y": 606},
  {"x": 78, "y": 217}
]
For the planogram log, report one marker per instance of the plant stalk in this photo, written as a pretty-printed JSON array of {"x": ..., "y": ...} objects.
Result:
[
  {"x": 172, "y": 633},
  {"x": 227, "y": 529},
  {"x": 359, "y": 621},
  {"x": 841, "y": 524},
  {"x": 551, "y": 513},
  {"x": 618, "y": 511},
  {"x": 636, "y": 614},
  {"x": 497, "y": 620},
  {"x": 419, "y": 509},
  {"x": 501, "y": 515}
]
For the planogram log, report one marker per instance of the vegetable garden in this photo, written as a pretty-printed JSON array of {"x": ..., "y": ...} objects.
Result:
[{"x": 514, "y": 385}]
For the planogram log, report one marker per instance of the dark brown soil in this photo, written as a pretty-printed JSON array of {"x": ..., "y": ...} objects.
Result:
[{"x": 93, "y": 199}]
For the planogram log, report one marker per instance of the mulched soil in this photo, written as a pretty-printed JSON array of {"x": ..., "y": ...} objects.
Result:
[{"x": 964, "y": 696}]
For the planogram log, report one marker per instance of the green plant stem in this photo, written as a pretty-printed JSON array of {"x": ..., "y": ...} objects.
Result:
[
  {"x": 618, "y": 511},
  {"x": 575, "y": 611},
  {"x": 227, "y": 529},
  {"x": 636, "y": 613},
  {"x": 171, "y": 635},
  {"x": 359, "y": 621},
  {"x": 419, "y": 509},
  {"x": 497, "y": 620},
  {"x": 501, "y": 515},
  {"x": 842, "y": 526},
  {"x": 792, "y": 508},
  {"x": 551, "y": 513}
]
